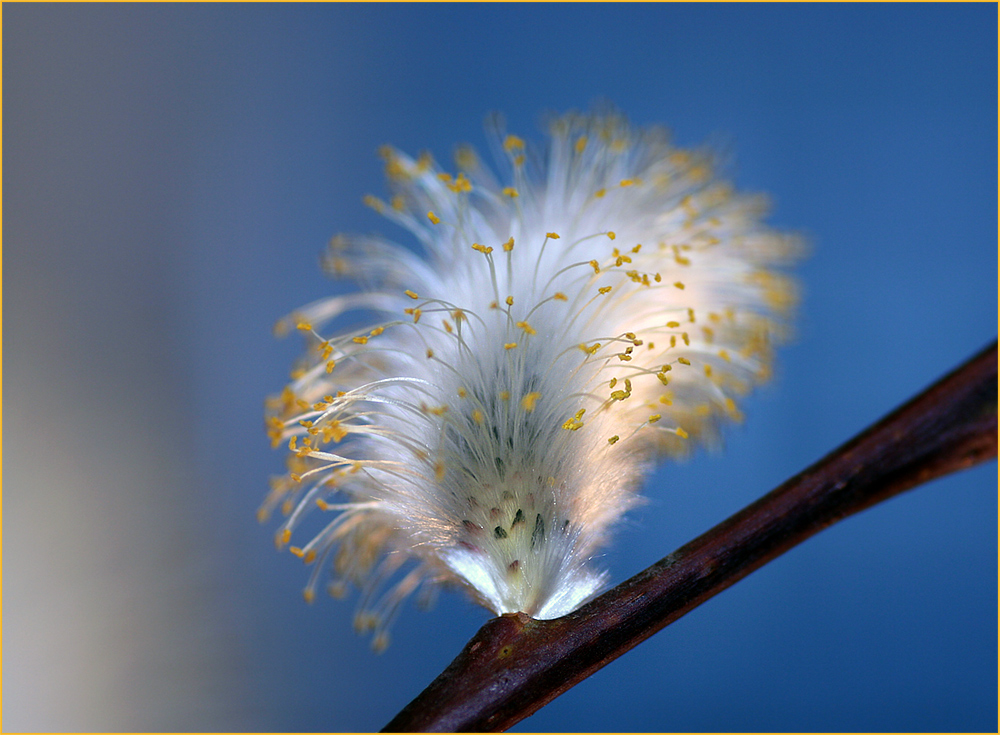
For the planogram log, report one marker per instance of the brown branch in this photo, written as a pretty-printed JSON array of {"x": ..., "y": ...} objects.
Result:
[{"x": 514, "y": 665}]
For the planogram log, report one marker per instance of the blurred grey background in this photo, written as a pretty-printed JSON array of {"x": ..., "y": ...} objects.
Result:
[{"x": 171, "y": 174}]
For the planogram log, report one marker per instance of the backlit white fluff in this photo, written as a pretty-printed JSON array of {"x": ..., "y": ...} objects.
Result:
[{"x": 602, "y": 305}]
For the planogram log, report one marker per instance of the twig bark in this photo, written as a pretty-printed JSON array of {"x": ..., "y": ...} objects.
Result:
[{"x": 514, "y": 665}]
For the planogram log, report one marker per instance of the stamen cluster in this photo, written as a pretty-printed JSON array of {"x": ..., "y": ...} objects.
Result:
[{"x": 605, "y": 304}]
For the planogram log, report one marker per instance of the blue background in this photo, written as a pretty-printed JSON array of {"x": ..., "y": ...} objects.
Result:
[{"x": 171, "y": 174}]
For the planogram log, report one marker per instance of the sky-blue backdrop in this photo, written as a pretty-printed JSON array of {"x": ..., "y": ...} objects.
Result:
[{"x": 171, "y": 174}]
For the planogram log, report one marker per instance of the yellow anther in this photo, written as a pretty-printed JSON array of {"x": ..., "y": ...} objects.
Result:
[
  {"x": 708, "y": 371},
  {"x": 619, "y": 395},
  {"x": 724, "y": 355},
  {"x": 666, "y": 369},
  {"x": 683, "y": 361},
  {"x": 611, "y": 235},
  {"x": 304, "y": 326},
  {"x": 662, "y": 378},
  {"x": 681, "y": 433},
  {"x": 596, "y": 266},
  {"x": 688, "y": 207},
  {"x": 433, "y": 218},
  {"x": 510, "y": 345},
  {"x": 519, "y": 160},
  {"x": 398, "y": 203},
  {"x": 430, "y": 353},
  {"x": 581, "y": 143},
  {"x": 512, "y": 142},
  {"x": 504, "y": 395},
  {"x": 529, "y": 400},
  {"x": 292, "y": 442},
  {"x": 552, "y": 235},
  {"x": 509, "y": 301},
  {"x": 613, "y": 383},
  {"x": 559, "y": 296},
  {"x": 376, "y": 332},
  {"x": 309, "y": 595},
  {"x": 624, "y": 357},
  {"x": 465, "y": 157},
  {"x": 297, "y": 551},
  {"x": 673, "y": 325},
  {"x": 477, "y": 416},
  {"x": 700, "y": 173},
  {"x": 637, "y": 248},
  {"x": 330, "y": 366},
  {"x": 678, "y": 284},
  {"x": 411, "y": 294},
  {"x": 574, "y": 423},
  {"x": 322, "y": 504},
  {"x": 657, "y": 277},
  {"x": 416, "y": 315},
  {"x": 462, "y": 393},
  {"x": 600, "y": 193},
  {"x": 691, "y": 315},
  {"x": 447, "y": 326},
  {"x": 527, "y": 327},
  {"x": 461, "y": 183},
  {"x": 439, "y": 469},
  {"x": 374, "y": 202},
  {"x": 604, "y": 290},
  {"x": 629, "y": 335},
  {"x": 654, "y": 418},
  {"x": 458, "y": 315},
  {"x": 486, "y": 250},
  {"x": 687, "y": 340},
  {"x": 445, "y": 177},
  {"x": 628, "y": 385},
  {"x": 511, "y": 192},
  {"x": 591, "y": 349},
  {"x": 612, "y": 439},
  {"x": 285, "y": 536},
  {"x": 362, "y": 340},
  {"x": 626, "y": 182}
]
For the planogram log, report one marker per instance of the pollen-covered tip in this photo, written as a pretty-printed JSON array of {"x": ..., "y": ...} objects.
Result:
[{"x": 495, "y": 444}]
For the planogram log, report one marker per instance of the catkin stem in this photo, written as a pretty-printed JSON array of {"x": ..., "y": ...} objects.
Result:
[{"x": 514, "y": 665}]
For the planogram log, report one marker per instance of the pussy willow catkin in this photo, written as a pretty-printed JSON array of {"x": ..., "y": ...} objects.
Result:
[{"x": 603, "y": 303}]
